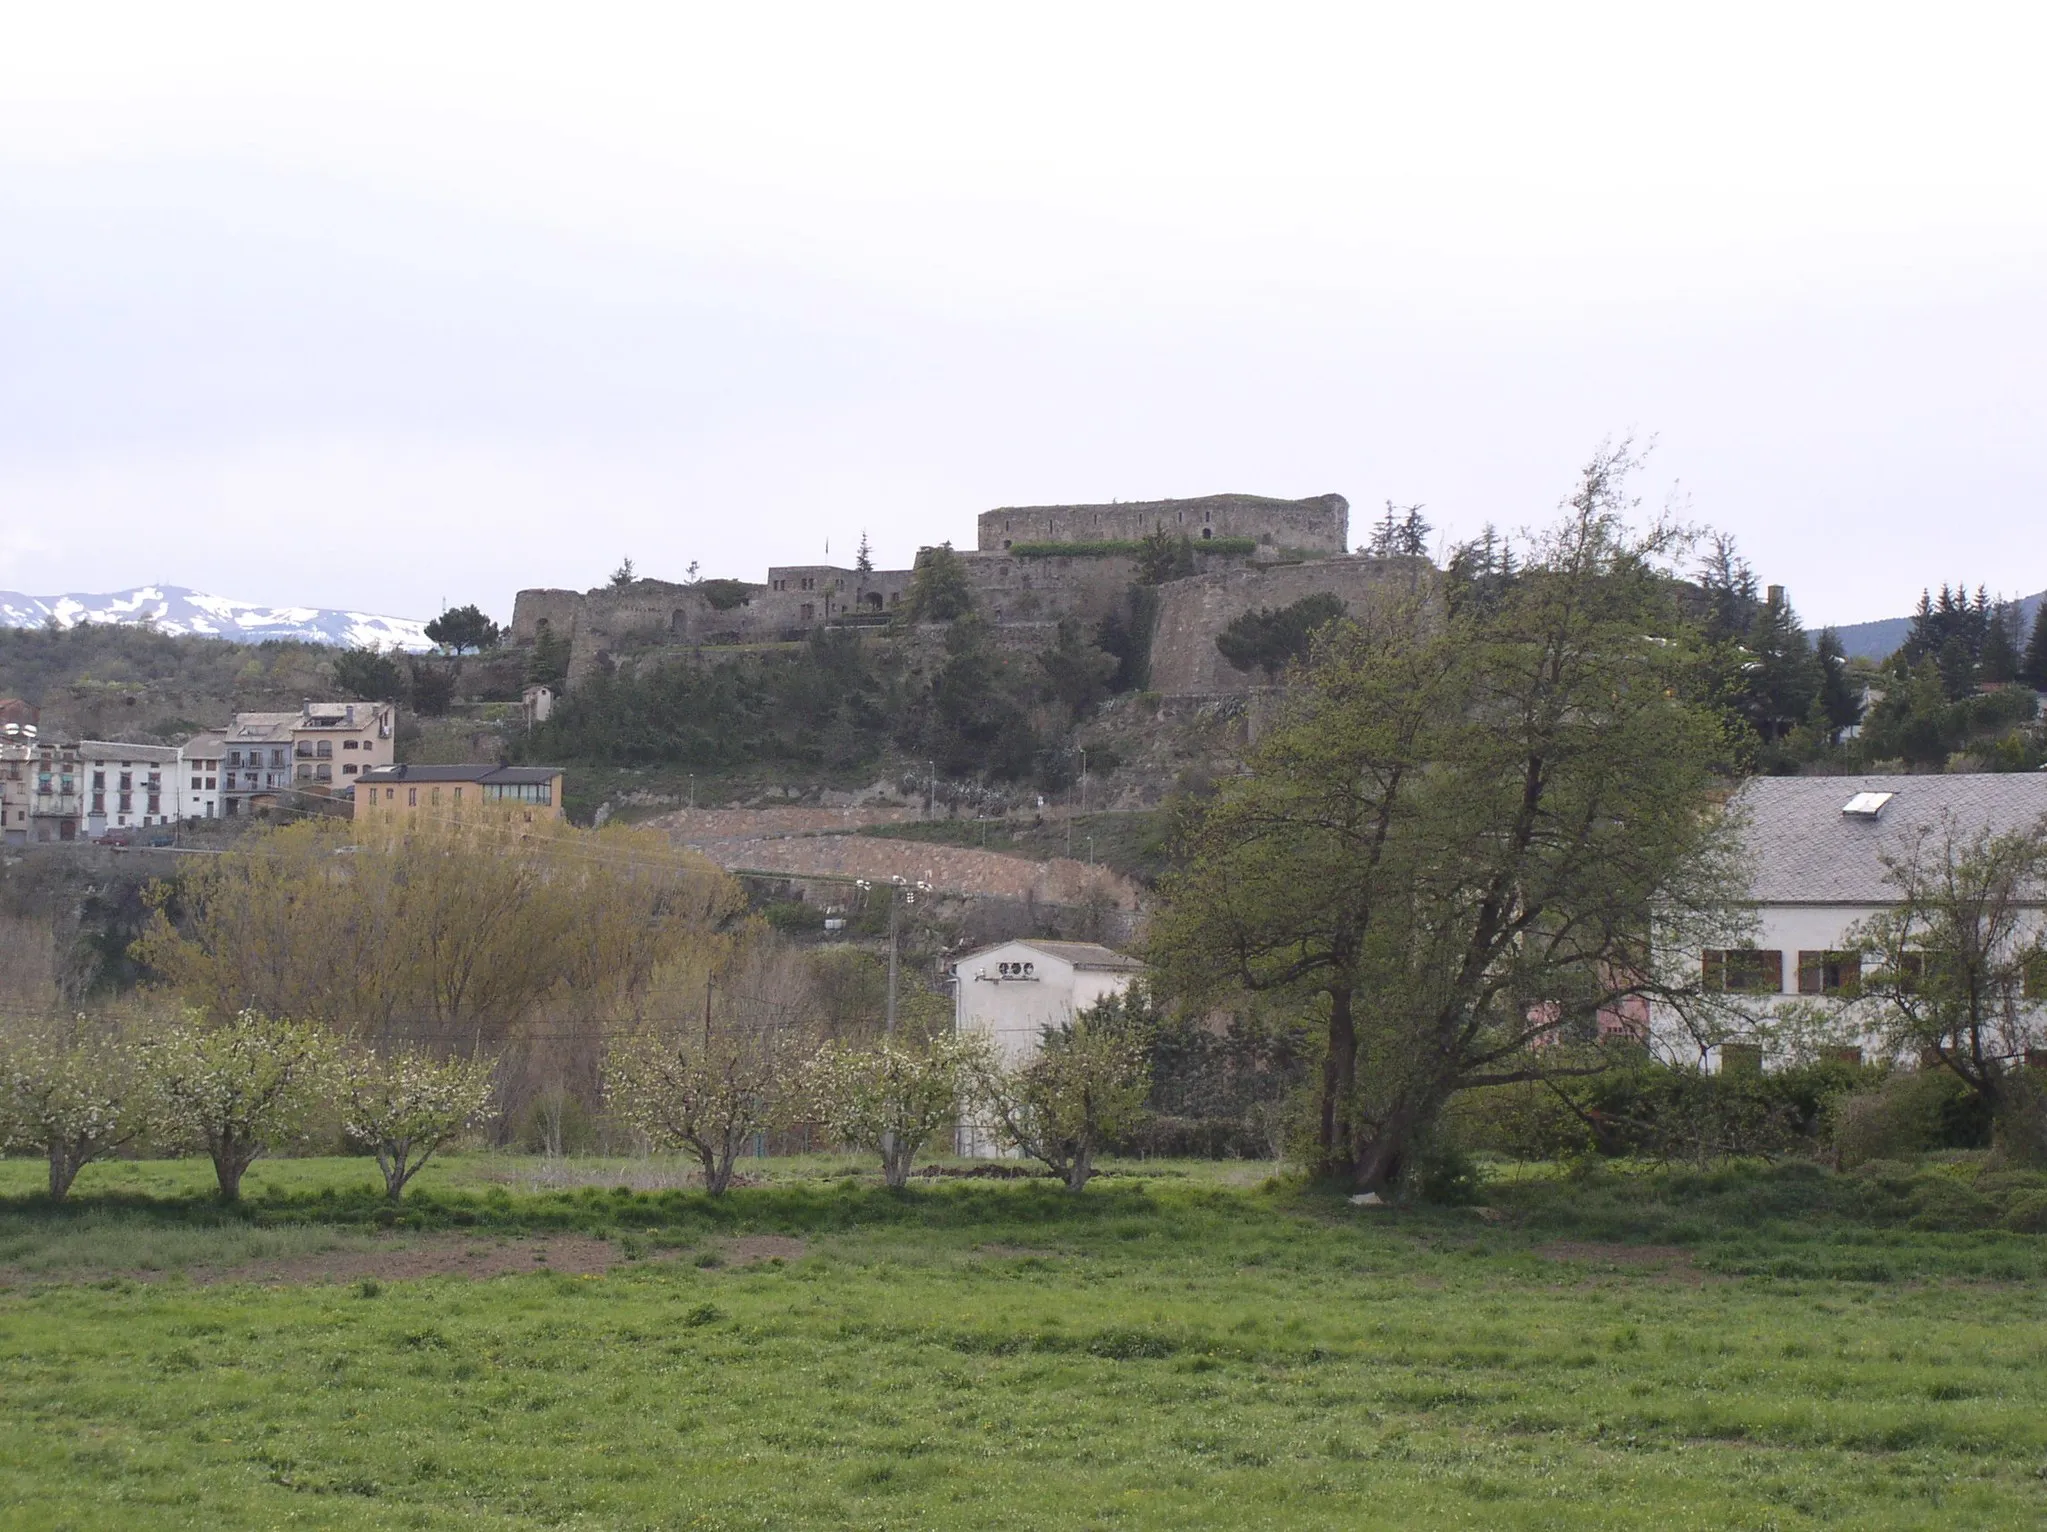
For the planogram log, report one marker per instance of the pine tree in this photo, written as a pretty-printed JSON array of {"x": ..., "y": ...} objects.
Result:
[
  {"x": 863, "y": 558},
  {"x": 1999, "y": 658},
  {"x": 2034, "y": 671},
  {"x": 1784, "y": 679},
  {"x": 1730, "y": 587},
  {"x": 1839, "y": 699}
]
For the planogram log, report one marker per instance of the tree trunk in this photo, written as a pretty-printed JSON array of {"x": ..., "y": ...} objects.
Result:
[
  {"x": 1339, "y": 1077},
  {"x": 896, "y": 1155},
  {"x": 66, "y": 1160},
  {"x": 1082, "y": 1167},
  {"x": 718, "y": 1172},
  {"x": 1382, "y": 1157},
  {"x": 231, "y": 1161}
]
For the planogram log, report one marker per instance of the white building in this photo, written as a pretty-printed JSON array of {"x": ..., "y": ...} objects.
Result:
[
  {"x": 1013, "y": 991},
  {"x": 201, "y": 761},
  {"x": 128, "y": 787},
  {"x": 1817, "y": 848}
]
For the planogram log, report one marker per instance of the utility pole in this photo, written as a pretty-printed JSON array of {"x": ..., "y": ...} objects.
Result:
[
  {"x": 931, "y": 798},
  {"x": 894, "y": 955}
]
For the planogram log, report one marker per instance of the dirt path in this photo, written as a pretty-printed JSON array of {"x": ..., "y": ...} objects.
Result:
[{"x": 436, "y": 1255}]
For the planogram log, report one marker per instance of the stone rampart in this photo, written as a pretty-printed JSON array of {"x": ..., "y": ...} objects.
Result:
[
  {"x": 1320, "y": 524},
  {"x": 1184, "y": 659}
]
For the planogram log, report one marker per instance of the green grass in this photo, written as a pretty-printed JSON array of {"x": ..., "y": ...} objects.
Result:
[{"x": 1180, "y": 1346}]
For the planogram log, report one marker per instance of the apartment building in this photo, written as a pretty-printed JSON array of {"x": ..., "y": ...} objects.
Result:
[
  {"x": 128, "y": 786},
  {"x": 41, "y": 783},
  {"x": 321, "y": 748}
]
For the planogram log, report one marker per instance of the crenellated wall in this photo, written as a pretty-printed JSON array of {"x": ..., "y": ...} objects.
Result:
[{"x": 1320, "y": 524}]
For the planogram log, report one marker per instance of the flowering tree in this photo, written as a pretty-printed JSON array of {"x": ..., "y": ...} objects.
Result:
[
  {"x": 1086, "y": 1085},
  {"x": 708, "y": 1093},
  {"x": 406, "y": 1105},
  {"x": 893, "y": 1096},
  {"x": 72, "y": 1089},
  {"x": 241, "y": 1088}
]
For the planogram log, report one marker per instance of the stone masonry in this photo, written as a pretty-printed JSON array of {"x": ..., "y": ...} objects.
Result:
[{"x": 1317, "y": 525}]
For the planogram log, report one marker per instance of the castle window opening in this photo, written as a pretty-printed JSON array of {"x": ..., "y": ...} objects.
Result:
[{"x": 1207, "y": 532}]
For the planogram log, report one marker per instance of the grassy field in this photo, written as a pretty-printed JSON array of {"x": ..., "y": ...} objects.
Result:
[{"x": 1180, "y": 1346}]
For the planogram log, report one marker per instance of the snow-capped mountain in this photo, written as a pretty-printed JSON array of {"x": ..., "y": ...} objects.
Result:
[{"x": 176, "y": 610}]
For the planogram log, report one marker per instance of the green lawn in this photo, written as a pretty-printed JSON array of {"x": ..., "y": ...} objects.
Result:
[{"x": 1180, "y": 1346}]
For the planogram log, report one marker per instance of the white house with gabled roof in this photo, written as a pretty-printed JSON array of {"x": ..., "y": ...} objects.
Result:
[
  {"x": 1816, "y": 849},
  {"x": 1013, "y": 991}
]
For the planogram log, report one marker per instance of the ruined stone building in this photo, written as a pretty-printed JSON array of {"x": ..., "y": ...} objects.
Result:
[{"x": 1031, "y": 567}]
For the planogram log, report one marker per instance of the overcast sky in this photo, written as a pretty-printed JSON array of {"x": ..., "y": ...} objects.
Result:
[{"x": 397, "y": 304}]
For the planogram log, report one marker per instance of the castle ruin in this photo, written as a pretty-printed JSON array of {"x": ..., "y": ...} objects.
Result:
[{"x": 1032, "y": 567}]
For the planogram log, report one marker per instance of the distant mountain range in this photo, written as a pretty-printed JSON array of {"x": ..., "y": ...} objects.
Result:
[
  {"x": 176, "y": 610},
  {"x": 1875, "y": 640}
]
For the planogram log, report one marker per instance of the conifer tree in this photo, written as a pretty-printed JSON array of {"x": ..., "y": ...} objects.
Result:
[
  {"x": 1838, "y": 697},
  {"x": 1999, "y": 660},
  {"x": 2034, "y": 670}
]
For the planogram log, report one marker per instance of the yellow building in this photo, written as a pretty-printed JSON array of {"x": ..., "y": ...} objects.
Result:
[{"x": 448, "y": 790}]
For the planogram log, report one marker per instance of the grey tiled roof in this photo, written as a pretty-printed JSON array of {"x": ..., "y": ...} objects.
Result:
[
  {"x": 1806, "y": 851},
  {"x": 486, "y": 771},
  {"x": 1087, "y": 955}
]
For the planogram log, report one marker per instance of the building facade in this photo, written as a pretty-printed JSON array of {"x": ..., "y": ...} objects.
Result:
[
  {"x": 447, "y": 792},
  {"x": 318, "y": 750},
  {"x": 41, "y": 789},
  {"x": 129, "y": 786},
  {"x": 1817, "y": 849}
]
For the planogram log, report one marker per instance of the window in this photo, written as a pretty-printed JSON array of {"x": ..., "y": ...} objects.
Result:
[
  {"x": 195, "y": 783},
  {"x": 99, "y": 803},
  {"x": 126, "y": 803},
  {"x": 436, "y": 795},
  {"x": 351, "y": 744},
  {"x": 458, "y": 795},
  {"x": 1829, "y": 973},
  {"x": 99, "y": 781},
  {"x": 1741, "y": 1059},
  {"x": 155, "y": 804},
  {"x": 325, "y": 749},
  {"x": 412, "y": 797},
  {"x": 350, "y": 769},
  {"x": 1743, "y": 970},
  {"x": 323, "y": 772},
  {"x": 806, "y": 612}
]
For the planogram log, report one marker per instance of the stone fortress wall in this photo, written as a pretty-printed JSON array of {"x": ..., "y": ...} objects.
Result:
[
  {"x": 1317, "y": 525},
  {"x": 1025, "y": 597}
]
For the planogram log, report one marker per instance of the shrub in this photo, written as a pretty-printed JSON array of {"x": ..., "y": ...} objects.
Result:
[{"x": 1909, "y": 1113}]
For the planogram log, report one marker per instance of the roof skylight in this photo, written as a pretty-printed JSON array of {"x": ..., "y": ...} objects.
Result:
[{"x": 1867, "y": 805}]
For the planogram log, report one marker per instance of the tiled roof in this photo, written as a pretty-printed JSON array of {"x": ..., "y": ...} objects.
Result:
[
  {"x": 483, "y": 772},
  {"x": 1804, "y": 850},
  {"x": 1087, "y": 955}
]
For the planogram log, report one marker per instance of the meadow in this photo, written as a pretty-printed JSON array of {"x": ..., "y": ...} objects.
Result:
[{"x": 1182, "y": 1345}]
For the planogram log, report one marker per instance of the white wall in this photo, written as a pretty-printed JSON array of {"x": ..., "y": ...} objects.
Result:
[
  {"x": 1789, "y": 929},
  {"x": 1015, "y": 1012}
]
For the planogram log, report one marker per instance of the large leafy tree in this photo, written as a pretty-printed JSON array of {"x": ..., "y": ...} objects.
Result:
[{"x": 1450, "y": 845}]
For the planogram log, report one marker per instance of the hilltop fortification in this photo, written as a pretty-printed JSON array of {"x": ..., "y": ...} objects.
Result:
[
  {"x": 1317, "y": 525},
  {"x": 1034, "y": 566}
]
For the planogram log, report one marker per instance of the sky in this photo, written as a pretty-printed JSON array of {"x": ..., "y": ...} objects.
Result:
[{"x": 386, "y": 307}]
